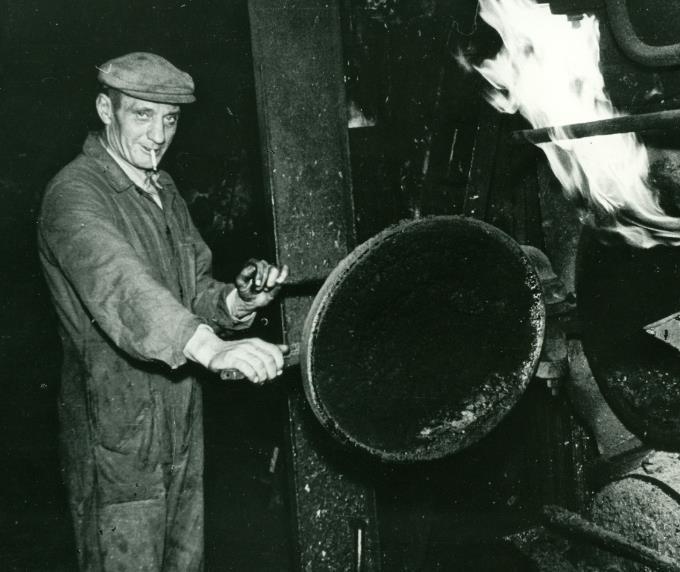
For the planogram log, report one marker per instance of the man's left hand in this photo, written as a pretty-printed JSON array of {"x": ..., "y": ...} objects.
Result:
[{"x": 257, "y": 285}]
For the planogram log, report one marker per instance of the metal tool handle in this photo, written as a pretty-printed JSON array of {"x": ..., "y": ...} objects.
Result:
[{"x": 292, "y": 358}]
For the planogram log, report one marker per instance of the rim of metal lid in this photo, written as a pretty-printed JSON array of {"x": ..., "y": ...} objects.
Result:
[{"x": 325, "y": 296}]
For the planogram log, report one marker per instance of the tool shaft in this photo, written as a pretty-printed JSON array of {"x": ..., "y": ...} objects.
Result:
[{"x": 667, "y": 119}]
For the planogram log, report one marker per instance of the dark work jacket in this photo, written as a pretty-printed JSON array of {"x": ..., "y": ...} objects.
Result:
[{"x": 130, "y": 282}]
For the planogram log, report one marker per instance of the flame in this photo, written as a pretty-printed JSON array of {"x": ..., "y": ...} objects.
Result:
[{"x": 548, "y": 70}]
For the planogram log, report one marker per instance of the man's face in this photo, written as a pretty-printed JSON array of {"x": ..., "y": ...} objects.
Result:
[{"x": 137, "y": 127}]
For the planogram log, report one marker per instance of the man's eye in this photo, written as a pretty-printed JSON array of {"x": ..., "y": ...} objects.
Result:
[
  {"x": 142, "y": 114},
  {"x": 171, "y": 120}
]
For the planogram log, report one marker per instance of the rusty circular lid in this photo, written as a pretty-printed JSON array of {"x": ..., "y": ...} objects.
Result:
[
  {"x": 423, "y": 338},
  {"x": 620, "y": 290}
]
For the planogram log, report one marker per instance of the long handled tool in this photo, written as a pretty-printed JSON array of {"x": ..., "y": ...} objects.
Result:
[{"x": 292, "y": 358}]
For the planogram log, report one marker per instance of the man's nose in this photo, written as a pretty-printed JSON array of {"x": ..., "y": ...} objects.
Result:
[{"x": 156, "y": 132}]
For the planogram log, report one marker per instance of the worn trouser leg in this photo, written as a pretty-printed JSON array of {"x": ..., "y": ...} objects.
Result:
[
  {"x": 184, "y": 529},
  {"x": 84, "y": 516},
  {"x": 119, "y": 511},
  {"x": 137, "y": 507},
  {"x": 131, "y": 535},
  {"x": 131, "y": 503}
]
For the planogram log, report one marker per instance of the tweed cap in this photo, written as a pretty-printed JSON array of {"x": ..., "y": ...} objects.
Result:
[{"x": 149, "y": 77}]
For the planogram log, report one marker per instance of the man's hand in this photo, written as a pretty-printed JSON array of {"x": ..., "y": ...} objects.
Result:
[
  {"x": 257, "y": 285},
  {"x": 256, "y": 359}
]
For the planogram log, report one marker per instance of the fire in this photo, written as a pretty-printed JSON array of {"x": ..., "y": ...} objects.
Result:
[{"x": 548, "y": 70}]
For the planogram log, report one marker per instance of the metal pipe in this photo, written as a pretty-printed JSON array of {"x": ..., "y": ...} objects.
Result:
[
  {"x": 632, "y": 45},
  {"x": 572, "y": 523},
  {"x": 668, "y": 119}
]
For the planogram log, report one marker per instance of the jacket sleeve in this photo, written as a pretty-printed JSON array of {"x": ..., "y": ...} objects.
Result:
[
  {"x": 78, "y": 232},
  {"x": 211, "y": 295}
]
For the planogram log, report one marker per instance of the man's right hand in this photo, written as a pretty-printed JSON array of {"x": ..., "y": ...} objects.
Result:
[{"x": 257, "y": 360}]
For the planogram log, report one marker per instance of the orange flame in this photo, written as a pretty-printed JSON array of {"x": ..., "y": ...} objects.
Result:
[{"x": 548, "y": 70}]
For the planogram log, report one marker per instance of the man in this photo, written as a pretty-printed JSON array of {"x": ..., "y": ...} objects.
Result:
[{"x": 130, "y": 278}]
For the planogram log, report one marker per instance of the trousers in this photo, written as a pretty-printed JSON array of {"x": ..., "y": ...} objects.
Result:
[{"x": 137, "y": 505}]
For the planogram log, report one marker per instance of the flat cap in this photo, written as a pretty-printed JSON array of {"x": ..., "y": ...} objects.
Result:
[{"x": 149, "y": 77}]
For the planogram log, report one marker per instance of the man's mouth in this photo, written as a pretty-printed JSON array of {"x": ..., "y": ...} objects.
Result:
[{"x": 154, "y": 155}]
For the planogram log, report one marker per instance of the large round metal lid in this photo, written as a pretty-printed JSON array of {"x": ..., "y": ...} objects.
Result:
[
  {"x": 621, "y": 289},
  {"x": 423, "y": 338}
]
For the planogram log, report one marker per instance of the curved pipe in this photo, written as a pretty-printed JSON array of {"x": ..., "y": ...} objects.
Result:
[{"x": 632, "y": 45}]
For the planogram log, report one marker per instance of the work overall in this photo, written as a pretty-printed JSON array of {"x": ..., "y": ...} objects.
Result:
[{"x": 131, "y": 283}]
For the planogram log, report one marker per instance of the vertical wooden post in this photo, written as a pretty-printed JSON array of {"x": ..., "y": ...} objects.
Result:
[{"x": 299, "y": 82}]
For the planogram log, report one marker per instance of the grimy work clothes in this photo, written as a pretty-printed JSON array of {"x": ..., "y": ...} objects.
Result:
[{"x": 131, "y": 283}]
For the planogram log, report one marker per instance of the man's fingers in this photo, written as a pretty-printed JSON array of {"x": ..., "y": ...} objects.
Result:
[
  {"x": 285, "y": 348},
  {"x": 257, "y": 365},
  {"x": 277, "y": 276},
  {"x": 273, "y": 351},
  {"x": 264, "y": 363},
  {"x": 258, "y": 360},
  {"x": 272, "y": 278},
  {"x": 246, "y": 369},
  {"x": 246, "y": 275},
  {"x": 283, "y": 274},
  {"x": 261, "y": 275}
]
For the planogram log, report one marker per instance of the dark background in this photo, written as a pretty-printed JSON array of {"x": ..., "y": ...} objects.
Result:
[{"x": 434, "y": 144}]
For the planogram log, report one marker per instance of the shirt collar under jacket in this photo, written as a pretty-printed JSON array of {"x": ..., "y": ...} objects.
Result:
[
  {"x": 120, "y": 180},
  {"x": 138, "y": 176}
]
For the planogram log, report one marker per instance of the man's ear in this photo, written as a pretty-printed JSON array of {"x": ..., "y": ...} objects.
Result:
[{"x": 104, "y": 108}]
